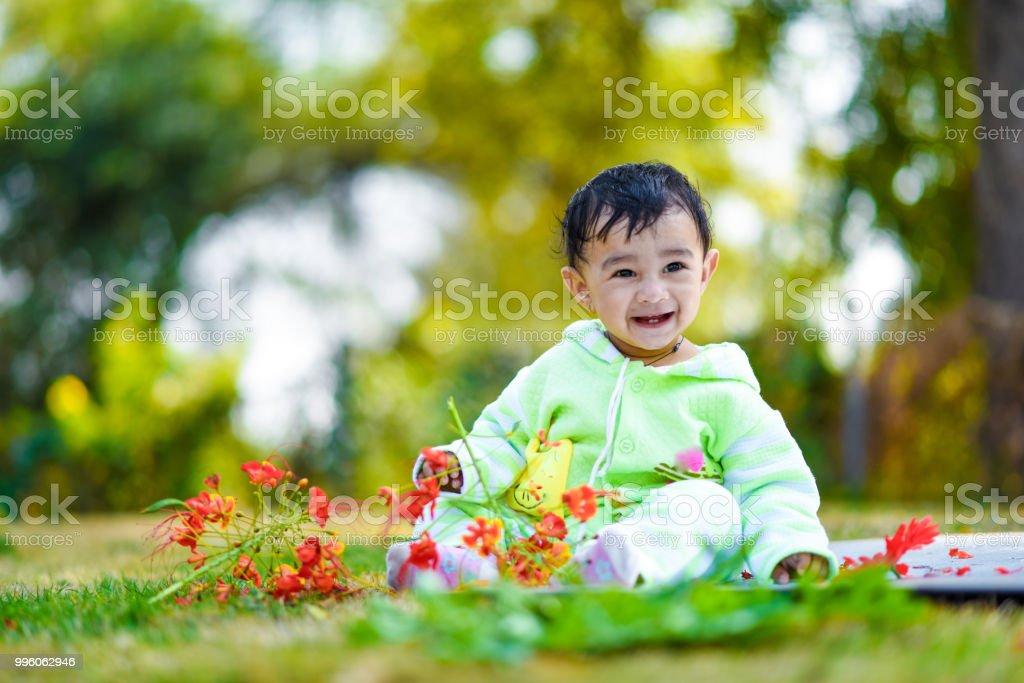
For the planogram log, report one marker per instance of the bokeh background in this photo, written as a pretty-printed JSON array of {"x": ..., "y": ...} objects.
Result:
[{"x": 354, "y": 254}]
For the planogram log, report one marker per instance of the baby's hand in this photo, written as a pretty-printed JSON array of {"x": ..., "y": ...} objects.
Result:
[
  {"x": 799, "y": 564},
  {"x": 450, "y": 477}
]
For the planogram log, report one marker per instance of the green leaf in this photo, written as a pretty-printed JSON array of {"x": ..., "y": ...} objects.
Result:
[{"x": 163, "y": 503}]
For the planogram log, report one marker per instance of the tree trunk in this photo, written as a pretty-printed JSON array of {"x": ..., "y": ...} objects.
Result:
[{"x": 999, "y": 219}]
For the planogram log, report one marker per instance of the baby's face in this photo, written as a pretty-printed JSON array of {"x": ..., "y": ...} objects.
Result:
[{"x": 646, "y": 291}]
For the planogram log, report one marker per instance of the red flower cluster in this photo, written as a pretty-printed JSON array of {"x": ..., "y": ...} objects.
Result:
[
  {"x": 225, "y": 555},
  {"x": 909, "y": 536},
  {"x": 321, "y": 571},
  {"x": 484, "y": 537},
  {"x": 530, "y": 561}
]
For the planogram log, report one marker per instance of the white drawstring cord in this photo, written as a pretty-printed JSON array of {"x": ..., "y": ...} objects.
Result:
[
  {"x": 601, "y": 464},
  {"x": 604, "y": 460}
]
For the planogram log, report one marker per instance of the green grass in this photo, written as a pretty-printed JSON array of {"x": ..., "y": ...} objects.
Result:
[{"x": 91, "y": 598}]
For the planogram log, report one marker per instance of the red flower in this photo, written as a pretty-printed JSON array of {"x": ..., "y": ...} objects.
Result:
[
  {"x": 426, "y": 495},
  {"x": 310, "y": 555},
  {"x": 746, "y": 575},
  {"x": 436, "y": 458},
  {"x": 552, "y": 525},
  {"x": 213, "y": 508},
  {"x": 223, "y": 590},
  {"x": 422, "y": 555},
  {"x": 581, "y": 501},
  {"x": 324, "y": 581},
  {"x": 319, "y": 506},
  {"x": 262, "y": 473},
  {"x": 525, "y": 569},
  {"x": 332, "y": 551},
  {"x": 958, "y": 554},
  {"x": 288, "y": 582},
  {"x": 484, "y": 537},
  {"x": 1004, "y": 570},
  {"x": 558, "y": 554},
  {"x": 962, "y": 570},
  {"x": 538, "y": 541},
  {"x": 213, "y": 481},
  {"x": 189, "y": 534},
  {"x": 412, "y": 503},
  {"x": 911, "y": 536},
  {"x": 197, "y": 559},
  {"x": 246, "y": 571}
]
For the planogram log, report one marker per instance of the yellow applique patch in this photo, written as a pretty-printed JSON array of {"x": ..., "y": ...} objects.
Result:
[{"x": 539, "y": 488}]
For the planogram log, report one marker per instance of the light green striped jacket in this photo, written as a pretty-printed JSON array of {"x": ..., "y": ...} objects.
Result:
[{"x": 583, "y": 389}]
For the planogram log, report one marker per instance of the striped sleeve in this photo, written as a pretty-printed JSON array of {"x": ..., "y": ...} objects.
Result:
[
  {"x": 777, "y": 495},
  {"x": 498, "y": 442}
]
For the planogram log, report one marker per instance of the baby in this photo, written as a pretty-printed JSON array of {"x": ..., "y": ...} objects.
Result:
[{"x": 621, "y": 395}]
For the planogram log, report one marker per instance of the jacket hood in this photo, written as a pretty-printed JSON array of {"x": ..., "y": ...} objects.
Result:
[{"x": 723, "y": 360}]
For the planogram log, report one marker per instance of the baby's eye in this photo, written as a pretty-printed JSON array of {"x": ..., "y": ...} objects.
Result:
[
  {"x": 674, "y": 266},
  {"x": 625, "y": 272}
]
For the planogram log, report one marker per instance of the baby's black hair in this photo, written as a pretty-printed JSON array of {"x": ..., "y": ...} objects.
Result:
[{"x": 638, "y": 192}]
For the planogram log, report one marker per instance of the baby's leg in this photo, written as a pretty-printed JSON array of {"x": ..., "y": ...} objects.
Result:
[
  {"x": 456, "y": 565},
  {"x": 679, "y": 532}
]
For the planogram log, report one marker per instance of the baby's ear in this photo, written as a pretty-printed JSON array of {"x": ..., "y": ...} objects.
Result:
[
  {"x": 576, "y": 285},
  {"x": 709, "y": 268}
]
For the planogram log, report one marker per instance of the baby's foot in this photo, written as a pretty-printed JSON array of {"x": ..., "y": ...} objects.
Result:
[
  {"x": 398, "y": 553},
  {"x": 608, "y": 560},
  {"x": 455, "y": 566}
]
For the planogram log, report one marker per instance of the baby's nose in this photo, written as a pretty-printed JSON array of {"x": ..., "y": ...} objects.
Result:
[{"x": 652, "y": 292}]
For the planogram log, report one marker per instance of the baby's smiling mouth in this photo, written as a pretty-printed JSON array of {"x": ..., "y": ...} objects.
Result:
[{"x": 652, "y": 320}]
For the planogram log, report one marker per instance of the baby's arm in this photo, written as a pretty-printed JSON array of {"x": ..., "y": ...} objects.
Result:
[
  {"x": 498, "y": 441},
  {"x": 778, "y": 498}
]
